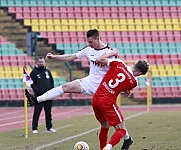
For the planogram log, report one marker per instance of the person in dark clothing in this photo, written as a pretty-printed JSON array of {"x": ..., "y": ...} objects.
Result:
[{"x": 42, "y": 82}]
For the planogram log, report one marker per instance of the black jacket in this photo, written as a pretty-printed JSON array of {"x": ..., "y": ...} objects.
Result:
[{"x": 42, "y": 80}]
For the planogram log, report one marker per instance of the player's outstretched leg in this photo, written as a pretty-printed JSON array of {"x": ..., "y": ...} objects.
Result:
[
  {"x": 31, "y": 98},
  {"x": 127, "y": 143}
]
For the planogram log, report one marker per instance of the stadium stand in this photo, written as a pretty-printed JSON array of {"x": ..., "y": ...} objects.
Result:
[{"x": 140, "y": 29}]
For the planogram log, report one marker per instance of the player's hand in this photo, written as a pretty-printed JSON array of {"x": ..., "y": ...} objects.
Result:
[
  {"x": 116, "y": 52},
  {"x": 49, "y": 56}
]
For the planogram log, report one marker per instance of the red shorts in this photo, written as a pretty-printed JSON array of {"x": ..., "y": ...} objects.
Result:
[{"x": 107, "y": 112}]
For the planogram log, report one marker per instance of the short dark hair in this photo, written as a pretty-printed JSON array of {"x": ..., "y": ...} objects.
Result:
[
  {"x": 142, "y": 66},
  {"x": 92, "y": 33}
]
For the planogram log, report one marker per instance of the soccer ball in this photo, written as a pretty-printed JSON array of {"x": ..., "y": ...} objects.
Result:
[{"x": 81, "y": 146}]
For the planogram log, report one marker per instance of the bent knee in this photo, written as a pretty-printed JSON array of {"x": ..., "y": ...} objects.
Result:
[{"x": 105, "y": 125}]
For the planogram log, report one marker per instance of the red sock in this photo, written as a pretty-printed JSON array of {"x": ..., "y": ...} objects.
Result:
[
  {"x": 117, "y": 136},
  {"x": 103, "y": 135}
]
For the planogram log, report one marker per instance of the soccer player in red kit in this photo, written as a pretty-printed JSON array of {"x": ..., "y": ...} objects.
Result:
[{"x": 119, "y": 78}]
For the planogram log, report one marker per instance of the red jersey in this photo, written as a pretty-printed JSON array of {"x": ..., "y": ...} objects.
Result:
[{"x": 119, "y": 78}]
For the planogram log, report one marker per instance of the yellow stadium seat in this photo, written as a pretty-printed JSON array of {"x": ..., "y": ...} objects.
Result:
[
  {"x": 86, "y": 22},
  {"x": 153, "y": 21},
  {"x": 80, "y": 28},
  {"x": 57, "y": 28},
  {"x": 109, "y": 28},
  {"x": 170, "y": 72},
  {"x": 108, "y": 22},
  {"x": 153, "y": 27},
  {"x": 145, "y": 21},
  {"x": 27, "y": 22},
  {"x": 116, "y": 27},
  {"x": 50, "y": 28},
  {"x": 175, "y": 21},
  {"x": 168, "y": 67},
  {"x": 16, "y": 75},
  {"x": 138, "y": 27},
  {"x": 7, "y": 68},
  {"x": 130, "y": 21},
  {"x": 131, "y": 28},
  {"x": 49, "y": 22},
  {"x": 161, "y": 27},
  {"x": 160, "y": 21},
  {"x": 123, "y": 28},
  {"x": 100, "y": 22},
  {"x": 154, "y": 67},
  {"x": 167, "y": 21},
  {"x": 146, "y": 28},
  {"x": 34, "y": 22},
  {"x": 115, "y": 21},
  {"x": 43, "y": 28},
  {"x": 78, "y": 21},
  {"x": 64, "y": 28},
  {"x": 72, "y": 28},
  {"x": 155, "y": 73},
  {"x": 42, "y": 22},
  {"x": 15, "y": 68},
  {"x": 161, "y": 67},
  {"x": 177, "y": 27},
  {"x": 86, "y": 27},
  {"x": 177, "y": 72},
  {"x": 163, "y": 72},
  {"x": 54, "y": 74},
  {"x": 56, "y": 21},
  {"x": 71, "y": 22},
  {"x": 168, "y": 27},
  {"x": 123, "y": 21},
  {"x": 176, "y": 66},
  {"x": 8, "y": 74},
  {"x": 138, "y": 22},
  {"x": 2, "y": 75},
  {"x": 93, "y": 21},
  {"x": 64, "y": 22},
  {"x": 35, "y": 28},
  {"x": 102, "y": 28}
]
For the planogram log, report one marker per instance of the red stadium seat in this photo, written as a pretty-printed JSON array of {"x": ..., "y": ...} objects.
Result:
[
  {"x": 41, "y": 9},
  {"x": 34, "y": 9},
  {"x": 26, "y": 15},
  {"x": 11, "y": 9}
]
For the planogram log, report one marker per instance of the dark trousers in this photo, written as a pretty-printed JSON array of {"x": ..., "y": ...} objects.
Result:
[{"x": 48, "y": 117}]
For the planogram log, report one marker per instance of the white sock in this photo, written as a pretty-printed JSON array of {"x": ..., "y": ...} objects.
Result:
[
  {"x": 126, "y": 137},
  {"x": 109, "y": 146},
  {"x": 51, "y": 94}
]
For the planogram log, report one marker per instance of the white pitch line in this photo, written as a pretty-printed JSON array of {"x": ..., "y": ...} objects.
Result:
[
  {"x": 66, "y": 126},
  {"x": 83, "y": 133},
  {"x": 22, "y": 121}
]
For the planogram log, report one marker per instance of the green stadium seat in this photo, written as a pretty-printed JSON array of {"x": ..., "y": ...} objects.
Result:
[
  {"x": 98, "y": 3},
  {"x": 3, "y": 3},
  {"x": 33, "y": 3},
  {"x": 18, "y": 3},
  {"x": 26, "y": 3},
  {"x": 77, "y": 2},
  {"x": 165, "y": 2},
  {"x": 143, "y": 2}
]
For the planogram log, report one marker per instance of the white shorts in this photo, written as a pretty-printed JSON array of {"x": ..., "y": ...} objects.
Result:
[{"x": 88, "y": 86}]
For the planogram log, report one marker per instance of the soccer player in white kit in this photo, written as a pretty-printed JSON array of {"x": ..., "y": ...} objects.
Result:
[{"x": 88, "y": 84}]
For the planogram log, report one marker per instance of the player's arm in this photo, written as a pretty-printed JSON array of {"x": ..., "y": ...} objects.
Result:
[
  {"x": 65, "y": 57},
  {"x": 104, "y": 58}
]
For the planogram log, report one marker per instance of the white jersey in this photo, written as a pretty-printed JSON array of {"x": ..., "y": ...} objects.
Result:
[{"x": 96, "y": 72}]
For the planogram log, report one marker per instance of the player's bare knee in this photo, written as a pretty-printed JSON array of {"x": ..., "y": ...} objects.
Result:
[{"x": 105, "y": 125}]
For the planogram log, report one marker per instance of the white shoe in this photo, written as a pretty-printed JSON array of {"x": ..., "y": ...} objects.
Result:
[
  {"x": 52, "y": 130},
  {"x": 35, "y": 131}
]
